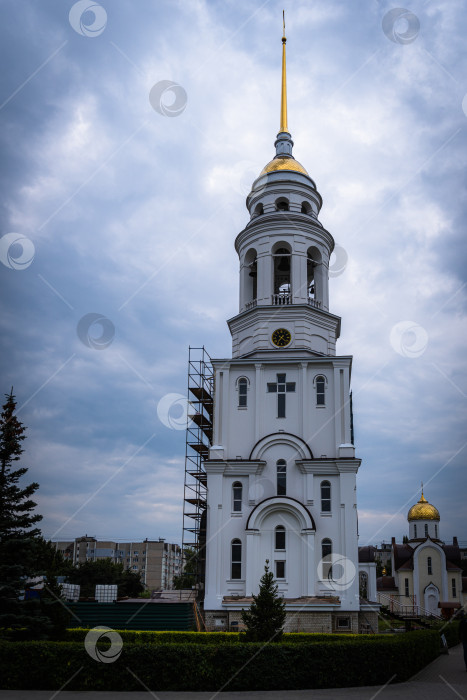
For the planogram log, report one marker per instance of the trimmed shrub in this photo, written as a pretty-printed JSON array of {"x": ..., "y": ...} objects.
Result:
[{"x": 207, "y": 667}]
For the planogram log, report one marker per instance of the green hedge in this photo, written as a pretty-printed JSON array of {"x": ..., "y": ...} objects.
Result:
[
  {"x": 207, "y": 667},
  {"x": 212, "y": 638}
]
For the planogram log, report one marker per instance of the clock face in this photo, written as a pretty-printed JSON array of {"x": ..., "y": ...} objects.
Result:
[{"x": 281, "y": 337}]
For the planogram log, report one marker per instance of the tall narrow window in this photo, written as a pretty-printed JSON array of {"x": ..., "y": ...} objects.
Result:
[
  {"x": 429, "y": 565},
  {"x": 325, "y": 497},
  {"x": 280, "y": 569},
  {"x": 281, "y": 477},
  {"x": 326, "y": 557},
  {"x": 406, "y": 584},
  {"x": 320, "y": 391},
  {"x": 426, "y": 530},
  {"x": 280, "y": 537},
  {"x": 242, "y": 392},
  {"x": 454, "y": 591},
  {"x": 415, "y": 529},
  {"x": 237, "y": 497},
  {"x": 236, "y": 563},
  {"x": 436, "y": 531}
]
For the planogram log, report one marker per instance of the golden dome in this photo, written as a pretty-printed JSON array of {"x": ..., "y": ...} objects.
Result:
[
  {"x": 283, "y": 163},
  {"x": 423, "y": 511}
]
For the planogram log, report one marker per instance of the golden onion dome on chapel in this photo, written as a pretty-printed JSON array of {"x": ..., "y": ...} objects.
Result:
[
  {"x": 283, "y": 163},
  {"x": 423, "y": 511}
]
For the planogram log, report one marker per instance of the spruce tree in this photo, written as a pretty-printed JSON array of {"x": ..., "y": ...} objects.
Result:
[
  {"x": 266, "y": 616},
  {"x": 17, "y": 532}
]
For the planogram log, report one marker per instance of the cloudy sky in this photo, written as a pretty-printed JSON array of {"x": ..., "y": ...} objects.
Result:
[{"x": 124, "y": 208}]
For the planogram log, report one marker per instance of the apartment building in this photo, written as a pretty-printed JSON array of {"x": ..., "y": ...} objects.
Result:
[{"x": 156, "y": 561}]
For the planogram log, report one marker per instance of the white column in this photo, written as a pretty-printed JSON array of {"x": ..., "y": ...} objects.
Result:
[
  {"x": 304, "y": 426},
  {"x": 252, "y": 557},
  {"x": 258, "y": 400},
  {"x": 308, "y": 558}
]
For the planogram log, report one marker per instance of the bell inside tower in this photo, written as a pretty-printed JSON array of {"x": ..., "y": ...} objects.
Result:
[
  {"x": 282, "y": 276},
  {"x": 314, "y": 276}
]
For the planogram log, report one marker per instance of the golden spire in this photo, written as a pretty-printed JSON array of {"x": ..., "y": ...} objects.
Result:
[{"x": 283, "y": 126}]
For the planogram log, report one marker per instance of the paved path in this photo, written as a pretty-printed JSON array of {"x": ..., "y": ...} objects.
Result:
[{"x": 444, "y": 679}]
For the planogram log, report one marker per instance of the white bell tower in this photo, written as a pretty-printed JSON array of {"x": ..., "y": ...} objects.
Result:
[{"x": 281, "y": 472}]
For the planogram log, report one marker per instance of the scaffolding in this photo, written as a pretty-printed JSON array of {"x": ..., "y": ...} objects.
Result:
[{"x": 198, "y": 440}]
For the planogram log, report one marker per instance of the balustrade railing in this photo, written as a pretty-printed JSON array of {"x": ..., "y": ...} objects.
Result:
[
  {"x": 314, "y": 302},
  {"x": 250, "y": 304},
  {"x": 281, "y": 299}
]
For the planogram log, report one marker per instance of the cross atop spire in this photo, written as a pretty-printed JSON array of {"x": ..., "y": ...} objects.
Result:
[
  {"x": 283, "y": 143},
  {"x": 283, "y": 125}
]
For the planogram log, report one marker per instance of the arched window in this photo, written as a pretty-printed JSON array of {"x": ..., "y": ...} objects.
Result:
[
  {"x": 320, "y": 384},
  {"x": 279, "y": 534},
  {"x": 237, "y": 490},
  {"x": 282, "y": 204},
  {"x": 259, "y": 210},
  {"x": 236, "y": 561},
  {"x": 250, "y": 275},
  {"x": 429, "y": 565},
  {"x": 281, "y": 258},
  {"x": 415, "y": 529},
  {"x": 436, "y": 531},
  {"x": 314, "y": 269},
  {"x": 325, "y": 497},
  {"x": 454, "y": 590},
  {"x": 363, "y": 585},
  {"x": 406, "y": 587},
  {"x": 326, "y": 559},
  {"x": 281, "y": 477},
  {"x": 306, "y": 208},
  {"x": 242, "y": 385},
  {"x": 426, "y": 530}
]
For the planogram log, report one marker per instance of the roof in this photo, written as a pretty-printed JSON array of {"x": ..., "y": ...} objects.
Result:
[
  {"x": 366, "y": 554},
  {"x": 423, "y": 511},
  {"x": 283, "y": 163},
  {"x": 386, "y": 583},
  {"x": 402, "y": 553}
]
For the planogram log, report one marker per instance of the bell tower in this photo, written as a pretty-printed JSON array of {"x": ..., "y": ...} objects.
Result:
[
  {"x": 284, "y": 254},
  {"x": 281, "y": 470}
]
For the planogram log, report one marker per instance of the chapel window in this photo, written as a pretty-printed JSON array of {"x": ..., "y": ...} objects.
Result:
[
  {"x": 429, "y": 565},
  {"x": 236, "y": 559},
  {"x": 281, "y": 477},
  {"x": 325, "y": 497},
  {"x": 279, "y": 537},
  {"x": 280, "y": 569},
  {"x": 320, "y": 391},
  {"x": 326, "y": 558},
  {"x": 242, "y": 392},
  {"x": 237, "y": 490}
]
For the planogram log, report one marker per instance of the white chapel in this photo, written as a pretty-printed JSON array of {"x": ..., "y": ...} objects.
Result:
[{"x": 281, "y": 468}]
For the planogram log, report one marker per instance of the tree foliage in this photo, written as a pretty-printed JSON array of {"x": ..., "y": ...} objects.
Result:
[
  {"x": 266, "y": 616},
  {"x": 89, "y": 574},
  {"x": 19, "y": 539},
  {"x": 187, "y": 578}
]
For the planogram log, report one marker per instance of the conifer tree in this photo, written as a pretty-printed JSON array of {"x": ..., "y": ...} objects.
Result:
[
  {"x": 266, "y": 616},
  {"x": 17, "y": 530}
]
